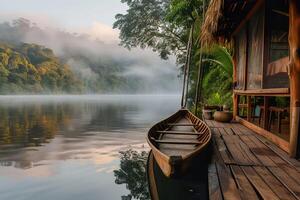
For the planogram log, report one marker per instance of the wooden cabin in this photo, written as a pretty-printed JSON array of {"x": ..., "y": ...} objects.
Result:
[{"x": 265, "y": 37}]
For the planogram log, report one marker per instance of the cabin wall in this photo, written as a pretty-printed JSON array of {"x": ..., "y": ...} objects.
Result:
[
  {"x": 255, "y": 50},
  {"x": 249, "y": 46},
  {"x": 262, "y": 57},
  {"x": 262, "y": 49},
  {"x": 241, "y": 58}
]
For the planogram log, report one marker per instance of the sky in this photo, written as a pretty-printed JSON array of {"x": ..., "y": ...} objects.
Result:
[{"x": 94, "y": 17}]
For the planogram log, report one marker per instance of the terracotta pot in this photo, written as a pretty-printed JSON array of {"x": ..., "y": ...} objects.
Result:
[
  {"x": 207, "y": 114},
  {"x": 223, "y": 116}
]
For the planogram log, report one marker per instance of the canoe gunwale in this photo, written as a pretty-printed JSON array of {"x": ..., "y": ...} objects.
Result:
[{"x": 199, "y": 126}]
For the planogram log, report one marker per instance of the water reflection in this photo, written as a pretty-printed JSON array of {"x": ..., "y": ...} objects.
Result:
[
  {"x": 67, "y": 147},
  {"x": 132, "y": 172}
]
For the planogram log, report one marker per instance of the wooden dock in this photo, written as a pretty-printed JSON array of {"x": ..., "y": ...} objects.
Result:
[{"x": 247, "y": 166}]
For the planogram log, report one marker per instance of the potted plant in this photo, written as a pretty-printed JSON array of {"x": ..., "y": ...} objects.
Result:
[{"x": 224, "y": 115}]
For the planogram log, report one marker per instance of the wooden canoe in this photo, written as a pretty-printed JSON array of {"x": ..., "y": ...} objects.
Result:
[
  {"x": 191, "y": 185},
  {"x": 176, "y": 140}
]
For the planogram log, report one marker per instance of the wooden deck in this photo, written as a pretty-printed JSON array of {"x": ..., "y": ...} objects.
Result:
[{"x": 247, "y": 166}]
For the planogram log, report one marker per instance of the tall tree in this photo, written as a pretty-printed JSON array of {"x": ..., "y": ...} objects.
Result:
[{"x": 162, "y": 25}]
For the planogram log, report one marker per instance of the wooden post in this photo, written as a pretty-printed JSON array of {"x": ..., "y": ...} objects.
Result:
[
  {"x": 235, "y": 96},
  {"x": 294, "y": 73},
  {"x": 266, "y": 113},
  {"x": 249, "y": 108},
  {"x": 235, "y": 105}
]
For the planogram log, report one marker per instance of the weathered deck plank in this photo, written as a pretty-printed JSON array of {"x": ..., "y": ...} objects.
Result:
[
  {"x": 227, "y": 183},
  {"x": 260, "y": 185},
  {"x": 214, "y": 189},
  {"x": 273, "y": 183},
  {"x": 247, "y": 191},
  {"x": 247, "y": 166}
]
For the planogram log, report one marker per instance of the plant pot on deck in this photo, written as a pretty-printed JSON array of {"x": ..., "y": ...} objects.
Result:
[{"x": 223, "y": 116}]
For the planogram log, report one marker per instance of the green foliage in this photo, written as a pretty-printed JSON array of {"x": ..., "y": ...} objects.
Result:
[
  {"x": 183, "y": 12},
  {"x": 158, "y": 24},
  {"x": 132, "y": 172},
  {"x": 164, "y": 25},
  {"x": 221, "y": 57},
  {"x": 217, "y": 81},
  {"x": 30, "y": 68}
]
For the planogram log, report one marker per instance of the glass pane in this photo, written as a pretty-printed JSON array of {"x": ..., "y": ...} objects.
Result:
[{"x": 276, "y": 72}]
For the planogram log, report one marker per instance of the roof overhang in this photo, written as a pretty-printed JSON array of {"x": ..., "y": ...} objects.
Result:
[{"x": 223, "y": 18}]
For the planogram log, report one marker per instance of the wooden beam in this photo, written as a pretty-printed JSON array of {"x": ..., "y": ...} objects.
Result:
[
  {"x": 266, "y": 113},
  {"x": 294, "y": 73},
  {"x": 179, "y": 133},
  {"x": 234, "y": 96},
  {"x": 246, "y": 60},
  {"x": 284, "y": 145},
  {"x": 265, "y": 92},
  {"x": 175, "y": 142},
  {"x": 258, "y": 4},
  {"x": 235, "y": 105},
  {"x": 281, "y": 12},
  {"x": 266, "y": 42},
  {"x": 180, "y": 124},
  {"x": 249, "y": 108}
]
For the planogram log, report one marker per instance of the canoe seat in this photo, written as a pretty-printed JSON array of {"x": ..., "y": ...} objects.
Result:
[
  {"x": 175, "y": 142},
  {"x": 181, "y": 124},
  {"x": 179, "y": 133}
]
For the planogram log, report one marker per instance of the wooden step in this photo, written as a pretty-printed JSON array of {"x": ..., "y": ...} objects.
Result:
[
  {"x": 179, "y": 133},
  {"x": 175, "y": 142},
  {"x": 181, "y": 124}
]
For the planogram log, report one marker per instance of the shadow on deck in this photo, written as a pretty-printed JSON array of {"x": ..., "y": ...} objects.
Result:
[{"x": 247, "y": 166}]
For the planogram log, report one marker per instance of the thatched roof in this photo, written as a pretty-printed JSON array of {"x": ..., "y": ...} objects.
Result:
[{"x": 222, "y": 18}]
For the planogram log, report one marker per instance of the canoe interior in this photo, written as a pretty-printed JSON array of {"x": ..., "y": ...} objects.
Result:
[{"x": 194, "y": 135}]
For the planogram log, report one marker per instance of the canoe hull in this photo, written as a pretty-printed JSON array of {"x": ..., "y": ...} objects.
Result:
[{"x": 176, "y": 165}]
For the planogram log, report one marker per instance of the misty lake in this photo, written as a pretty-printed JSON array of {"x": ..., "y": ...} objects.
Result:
[{"x": 77, "y": 147}]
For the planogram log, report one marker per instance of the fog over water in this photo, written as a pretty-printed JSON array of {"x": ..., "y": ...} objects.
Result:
[
  {"x": 85, "y": 53},
  {"x": 81, "y": 147},
  {"x": 68, "y": 147}
]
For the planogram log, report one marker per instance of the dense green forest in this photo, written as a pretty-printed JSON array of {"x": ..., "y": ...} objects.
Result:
[
  {"x": 57, "y": 61},
  {"x": 30, "y": 68},
  {"x": 167, "y": 26}
]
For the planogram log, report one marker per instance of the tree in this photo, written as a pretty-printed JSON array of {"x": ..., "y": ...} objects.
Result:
[
  {"x": 163, "y": 25},
  {"x": 152, "y": 23},
  {"x": 33, "y": 68},
  {"x": 132, "y": 172}
]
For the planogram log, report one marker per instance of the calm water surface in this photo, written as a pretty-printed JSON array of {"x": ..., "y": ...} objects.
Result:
[{"x": 77, "y": 147}]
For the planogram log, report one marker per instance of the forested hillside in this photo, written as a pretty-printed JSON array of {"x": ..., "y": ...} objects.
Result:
[
  {"x": 30, "y": 68},
  {"x": 49, "y": 60}
]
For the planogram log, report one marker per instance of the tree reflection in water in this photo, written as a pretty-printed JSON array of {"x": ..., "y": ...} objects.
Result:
[{"x": 132, "y": 172}]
